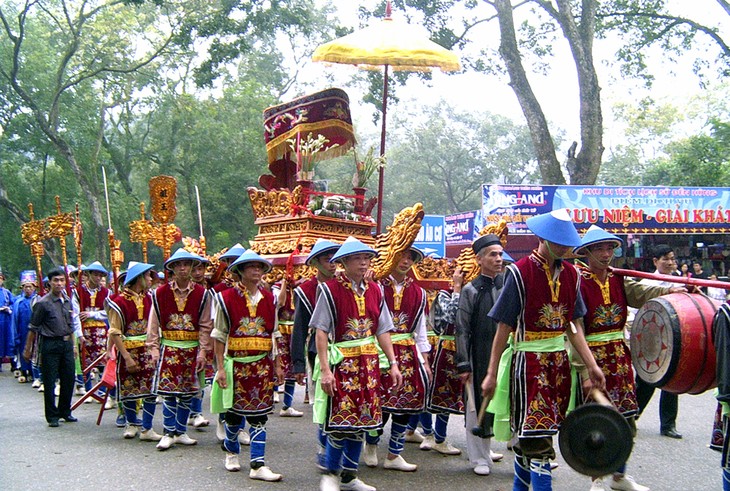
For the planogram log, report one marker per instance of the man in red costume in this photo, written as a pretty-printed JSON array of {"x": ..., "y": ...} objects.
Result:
[
  {"x": 178, "y": 336},
  {"x": 88, "y": 301},
  {"x": 244, "y": 338},
  {"x": 540, "y": 303},
  {"x": 407, "y": 304},
  {"x": 128, "y": 314},
  {"x": 607, "y": 297},
  {"x": 349, "y": 315}
]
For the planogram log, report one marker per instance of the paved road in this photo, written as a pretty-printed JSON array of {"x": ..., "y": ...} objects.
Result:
[{"x": 85, "y": 456}]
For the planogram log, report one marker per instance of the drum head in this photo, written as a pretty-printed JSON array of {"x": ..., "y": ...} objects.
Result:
[
  {"x": 595, "y": 440},
  {"x": 656, "y": 341}
]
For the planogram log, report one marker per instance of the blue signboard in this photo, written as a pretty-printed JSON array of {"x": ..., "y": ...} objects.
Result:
[
  {"x": 430, "y": 238},
  {"x": 617, "y": 209},
  {"x": 463, "y": 227}
]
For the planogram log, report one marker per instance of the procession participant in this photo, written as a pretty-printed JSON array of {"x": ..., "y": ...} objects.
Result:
[
  {"x": 22, "y": 310},
  {"x": 539, "y": 303},
  {"x": 52, "y": 322},
  {"x": 607, "y": 297},
  {"x": 180, "y": 322},
  {"x": 665, "y": 263},
  {"x": 244, "y": 337},
  {"x": 221, "y": 281},
  {"x": 226, "y": 259},
  {"x": 721, "y": 335},
  {"x": 285, "y": 304},
  {"x": 349, "y": 315},
  {"x": 7, "y": 339},
  {"x": 92, "y": 296},
  {"x": 474, "y": 336},
  {"x": 445, "y": 391},
  {"x": 128, "y": 313},
  {"x": 303, "y": 340},
  {"x": 196, "y": 419},
  {"x": 406, "y": 302}
]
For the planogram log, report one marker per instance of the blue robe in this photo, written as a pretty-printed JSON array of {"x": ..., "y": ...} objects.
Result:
[
  {"x": 7, "y": 338},
  {"x": 22, "y": 309}
]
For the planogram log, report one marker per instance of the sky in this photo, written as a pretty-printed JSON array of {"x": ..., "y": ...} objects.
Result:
[{"x": 556, "y": 90}]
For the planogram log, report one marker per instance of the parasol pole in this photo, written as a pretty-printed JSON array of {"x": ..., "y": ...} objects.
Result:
[
  {"x": 381, "y": 169},
  {"x": 110, "y": 231},
  {"x": 200, "y": 221}
]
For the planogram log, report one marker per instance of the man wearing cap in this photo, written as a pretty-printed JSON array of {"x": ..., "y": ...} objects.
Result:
[
  {"x": 178, "y": 339},
  {"x": 607, "y": 297},
  {"x": 474, "y": 336},
  {"x": 221, "y": 280},
  {"x": 22, "y": 310},
  {"x": 128, "y": 313},
  {"x": 244, "y": 340},
  {"x": 303, "y": 346},
  {"x": 89, "y": 301},
  {"x": 406, "y": 302},
  {"x": 349, "y": 315},
  {"x": 7, "y": 339},
  {"x": 52, "y": 323},
  {"x": 539, "y": 304},
  {"x": 665, "y": 263}
]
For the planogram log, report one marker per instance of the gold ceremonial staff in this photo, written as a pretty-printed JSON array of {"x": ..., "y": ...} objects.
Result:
[
  {"x": 33, "y": 234},
  {"x": 163, "y": 193},
  {"x": 141, "y": 231},
  {"x": 59, "y": 226}
]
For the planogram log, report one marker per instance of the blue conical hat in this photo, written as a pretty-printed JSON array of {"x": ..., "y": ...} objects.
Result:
[
  {"x": 507, "y": 258},
  {"x": 556, "y": 227},
  {"x": 595, "y": 235},
  {"x": 320, "y": 247},
  {"x": 233, "y": 252},
  {"x": 181, "y": 255},
  {"x": 95, "y": 266},
  {"x": 352, "y": 246},
  {"x": 250, "y": 257},
  {"x": 135, "y": 270}
]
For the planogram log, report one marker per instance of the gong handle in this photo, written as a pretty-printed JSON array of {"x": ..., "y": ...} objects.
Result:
[{"x": 600, "y": 398}]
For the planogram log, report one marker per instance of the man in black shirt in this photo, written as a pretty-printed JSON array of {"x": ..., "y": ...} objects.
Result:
[{"x": 51, "y": 321}]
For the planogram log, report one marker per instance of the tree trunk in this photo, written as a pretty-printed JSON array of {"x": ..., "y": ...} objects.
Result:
[
  {"x": 583, "y": 167},
  {"x": 541, "y": 139}
]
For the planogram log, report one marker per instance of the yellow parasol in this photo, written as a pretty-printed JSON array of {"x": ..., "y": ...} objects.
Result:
[{"x": 388, "y": 43}]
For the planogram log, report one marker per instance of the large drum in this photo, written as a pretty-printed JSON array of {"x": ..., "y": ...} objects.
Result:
[{"x": 672, "y": 345}]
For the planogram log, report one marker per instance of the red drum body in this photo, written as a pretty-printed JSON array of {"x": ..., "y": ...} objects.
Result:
[{"x": 672, "y": 345}]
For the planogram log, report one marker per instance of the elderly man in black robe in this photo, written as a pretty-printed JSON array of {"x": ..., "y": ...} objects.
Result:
[{"x": 474, "y": 335}]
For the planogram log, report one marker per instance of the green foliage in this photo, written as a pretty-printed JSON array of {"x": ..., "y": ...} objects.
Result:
[
  {"x": 441, "y": 157},
  {"x": 644, "y": 24},
  {"x": 701, "y": 160}
]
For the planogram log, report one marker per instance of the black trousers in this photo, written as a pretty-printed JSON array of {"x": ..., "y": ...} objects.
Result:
[
  {"x": 57, "y": 362},
  {"x": 668, "y": 404}
]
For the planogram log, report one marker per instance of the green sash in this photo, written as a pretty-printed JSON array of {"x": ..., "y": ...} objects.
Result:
[
  {"x": 605, "y": 337},
  {"x": 141, "y": 337},
  {"x": 221, "y": 400},
  {"x": 334, "y": 357},
  {"x": 447, "y": 337},
  {"x": 179, "y": 344},
  {"x": 500, "y": 405}
]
